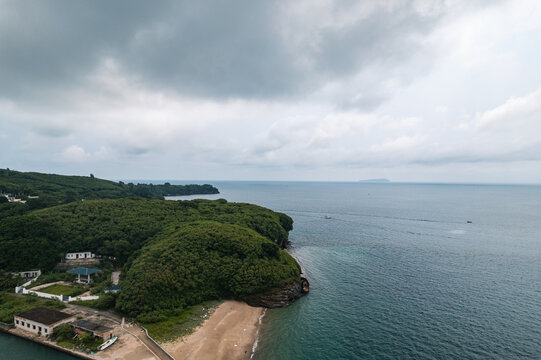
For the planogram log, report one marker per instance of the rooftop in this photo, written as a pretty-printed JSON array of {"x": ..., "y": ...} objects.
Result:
[
  {"x": 90, "y": 326},
  {"x": 43, "y": 315},
  {"x": 84, "y": 271}
]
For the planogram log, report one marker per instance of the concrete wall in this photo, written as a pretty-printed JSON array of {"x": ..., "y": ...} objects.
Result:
[
  {"x": 83, "y": 298},
  {"x": 21, "y": 290}
]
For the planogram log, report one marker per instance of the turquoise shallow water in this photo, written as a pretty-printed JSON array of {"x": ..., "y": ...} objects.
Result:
[{"x": 398, "y": 273}]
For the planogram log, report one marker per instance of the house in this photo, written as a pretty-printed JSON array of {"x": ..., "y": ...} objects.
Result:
[
  {"x": 85, "y": 272},
  {"x": 41, "y": 321},
  {"x": 29, "y": 274},
  {"x": 80, "y": 255},
  {"x": 97, "y": 330},
  {"x": 112, "y": 289}
]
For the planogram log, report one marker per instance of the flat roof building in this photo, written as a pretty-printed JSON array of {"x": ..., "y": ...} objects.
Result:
[
  {"x": 41, "y": 321},
  {"x": 97, "y": 330},
  {"x": 80, "y": 255}
]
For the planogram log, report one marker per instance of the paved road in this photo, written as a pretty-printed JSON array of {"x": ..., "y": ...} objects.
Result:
[
  {"x": 141, "y": 334},
  {"x": 115, "y": 276}
]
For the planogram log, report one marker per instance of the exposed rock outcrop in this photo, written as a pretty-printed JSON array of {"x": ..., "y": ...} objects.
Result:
[{"x": 280, "y": 297}]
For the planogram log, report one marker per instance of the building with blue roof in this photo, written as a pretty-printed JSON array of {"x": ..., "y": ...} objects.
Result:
[{"x": 85, "y": 272}]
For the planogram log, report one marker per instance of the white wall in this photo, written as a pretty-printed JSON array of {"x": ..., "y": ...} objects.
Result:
[{"x": 34, "y": 327}]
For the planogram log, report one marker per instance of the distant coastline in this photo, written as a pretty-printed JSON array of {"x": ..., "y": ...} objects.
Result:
[{"x": 375, "y": 181}]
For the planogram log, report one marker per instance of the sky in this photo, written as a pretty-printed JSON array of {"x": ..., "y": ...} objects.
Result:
[{"x": 306, "y": 90}]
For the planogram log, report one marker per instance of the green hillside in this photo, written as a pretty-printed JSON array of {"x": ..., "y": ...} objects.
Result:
[
  {"x": 201, "y": 261},
  {"x": 53, "y": 189},
  {"x": 173, "y": 254}
]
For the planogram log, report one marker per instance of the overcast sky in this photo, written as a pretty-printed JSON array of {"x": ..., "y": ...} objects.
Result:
[{"x": 428, "y": 90}]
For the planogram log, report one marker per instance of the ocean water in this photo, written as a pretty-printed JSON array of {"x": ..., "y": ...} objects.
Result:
[
  {"x": 398, "y": 273},
  {"x": 15, "y": 348}
]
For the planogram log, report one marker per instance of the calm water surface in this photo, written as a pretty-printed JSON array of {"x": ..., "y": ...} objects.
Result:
[
  {"x": 398, "y": 273},
  {"x": 14, "y": 348}
]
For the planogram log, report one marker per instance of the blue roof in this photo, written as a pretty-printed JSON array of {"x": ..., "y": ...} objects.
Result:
[
  {"x": 115, "y": 287},
  {"x": 84, "y": 271}
]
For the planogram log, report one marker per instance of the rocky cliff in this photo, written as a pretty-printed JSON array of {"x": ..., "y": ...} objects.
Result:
[{"x": 280, "y": 297}]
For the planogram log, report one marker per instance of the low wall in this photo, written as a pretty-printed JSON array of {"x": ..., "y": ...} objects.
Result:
[
  {"x": 5, "y": 327},
  {"x": 21, "y": 290},
  {"x": 155, "y": 343},
  {"x": 30, "y": 282},
  {"x": 83, "y": 298}
]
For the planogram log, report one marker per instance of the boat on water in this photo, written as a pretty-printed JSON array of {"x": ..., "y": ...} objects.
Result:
[{"x": 108, "y": 343}]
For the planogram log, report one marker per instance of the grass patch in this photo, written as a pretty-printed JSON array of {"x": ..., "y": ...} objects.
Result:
[
  {"x": 11, "y": 304},
  {"x": 59, "y": 289},
  {"x": 77, "y": 344},
  {"x": 66, "y": 337},
  {"x": 105, "y": 302},
  {"x": 182, "y": 324}
]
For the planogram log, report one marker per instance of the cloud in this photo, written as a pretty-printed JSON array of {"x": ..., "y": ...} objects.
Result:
[
  {"x": 243, "y": 49},
  {"x": 74, "y": 153},
  {"x": 304, "y": 86},
  {"x": 516, "y": 111}
]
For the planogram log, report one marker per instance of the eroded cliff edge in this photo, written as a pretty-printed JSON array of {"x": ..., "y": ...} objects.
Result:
[{"x": 279, "y": 297}]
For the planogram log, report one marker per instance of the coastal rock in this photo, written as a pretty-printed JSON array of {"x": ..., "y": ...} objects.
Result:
[{"x": 280, "y": 297}]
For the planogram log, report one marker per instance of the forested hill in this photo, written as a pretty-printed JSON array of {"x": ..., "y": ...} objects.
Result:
[
  {"x": 173, "y": 253},
  {"x": 53, "y": 189}
]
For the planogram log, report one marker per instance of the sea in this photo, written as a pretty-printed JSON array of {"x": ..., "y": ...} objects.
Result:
[{"x": 402, "y": 271}]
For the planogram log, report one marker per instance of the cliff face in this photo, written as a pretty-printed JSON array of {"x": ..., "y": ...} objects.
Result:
[{"x": 280, "y": 297}]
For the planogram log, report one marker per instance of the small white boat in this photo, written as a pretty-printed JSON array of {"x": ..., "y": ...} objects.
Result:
[{"x": 108, "y": 343}]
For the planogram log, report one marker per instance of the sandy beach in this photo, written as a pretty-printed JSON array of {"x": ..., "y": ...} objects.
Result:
[{"x": 228, "y": 334}]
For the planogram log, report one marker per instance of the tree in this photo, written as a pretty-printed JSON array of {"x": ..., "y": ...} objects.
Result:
[{"x": 63, "y": 332}]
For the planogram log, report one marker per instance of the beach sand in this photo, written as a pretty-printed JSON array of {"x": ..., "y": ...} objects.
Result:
[{"x": 229, "y": 333}]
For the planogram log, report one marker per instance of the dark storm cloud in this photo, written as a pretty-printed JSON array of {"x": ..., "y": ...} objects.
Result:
[
  {"x": 198, "y": 48},
  {"x": 49, "y": 45}
]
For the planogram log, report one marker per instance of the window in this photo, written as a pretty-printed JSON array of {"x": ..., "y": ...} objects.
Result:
[
  {"x": 45, "y": 331},
  {"x": 17, "y": 322},
  {"x": 39, "y": 328},
  {"x": 34, "y": 327},
  {"x": 27, "y": 325},
  {"x": 22, "y": 323}
]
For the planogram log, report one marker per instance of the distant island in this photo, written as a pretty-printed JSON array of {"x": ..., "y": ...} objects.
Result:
[
  {"x": 173, "y": 255},
  {"x": 379, "y": 181}
]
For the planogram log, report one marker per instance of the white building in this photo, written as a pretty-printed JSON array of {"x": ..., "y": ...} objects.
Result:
[
  {"x": 30, "y": 274},
  {"x": 80, "y": 255},
  {"x": 41, "y": 321}
]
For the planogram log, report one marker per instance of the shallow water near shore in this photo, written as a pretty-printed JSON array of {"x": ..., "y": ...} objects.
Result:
[
  {"x": 15, "y": 348},
  {"x": 398, "y": 272}
]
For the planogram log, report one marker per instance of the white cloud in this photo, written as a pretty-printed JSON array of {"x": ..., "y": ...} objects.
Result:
[
  {"x": 517, "y": 111},
  {"x": 74, "y": 153}
]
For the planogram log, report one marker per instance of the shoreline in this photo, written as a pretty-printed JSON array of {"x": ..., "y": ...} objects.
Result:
[
  {"x": 231, "y": 333},
  {"x": 48, "y": 344}
]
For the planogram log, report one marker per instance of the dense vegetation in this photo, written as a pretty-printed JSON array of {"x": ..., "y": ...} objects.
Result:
[
  {"x": 11, "y": 304},
  {"x": 201, "y": 261},
  {"x": 174, "y": 254},
  {"x": 54, "y": 189},
  {"x": 39, "y": 239}
]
